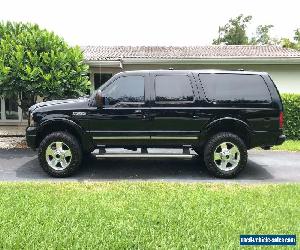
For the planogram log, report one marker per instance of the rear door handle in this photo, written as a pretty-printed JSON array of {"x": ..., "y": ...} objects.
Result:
[
  {"x": 138, "y": 111},
  {"x": 147, "y": 116}
]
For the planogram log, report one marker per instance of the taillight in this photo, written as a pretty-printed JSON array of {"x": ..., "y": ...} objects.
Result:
[{"x": 281, "y": 119}]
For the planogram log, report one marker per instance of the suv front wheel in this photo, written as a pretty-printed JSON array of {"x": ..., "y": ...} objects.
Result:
[
  {"x": 60, "y": 154},
  {"x": 225, "y": 155}
]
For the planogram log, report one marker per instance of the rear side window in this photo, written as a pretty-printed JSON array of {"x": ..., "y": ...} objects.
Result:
[
  {"x": 173, "y": 88},
  {"x": 235, "y": 88}
]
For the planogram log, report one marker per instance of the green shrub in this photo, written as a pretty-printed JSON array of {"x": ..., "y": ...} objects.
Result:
[
  {"x": 35, "y": 62},
  {"x": 291, "y": 103}
]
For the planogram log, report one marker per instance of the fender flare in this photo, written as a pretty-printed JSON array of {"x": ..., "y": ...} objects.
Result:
[
  {"x": 235, "y": 121},
  {"x": 85, "y": 139},
  {"x": 226, "y": 119}
]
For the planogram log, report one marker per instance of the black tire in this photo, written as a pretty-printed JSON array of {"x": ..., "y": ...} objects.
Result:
[
  {"x": 72, "y": 145},
  {"x": 214, "y": 144}
]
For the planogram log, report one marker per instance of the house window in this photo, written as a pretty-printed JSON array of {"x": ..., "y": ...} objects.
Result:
[
  {"x": 10, "y": 112},
  {"x": 11, "y": 109},
  {"x": 25, "y": 115},
  {"x": 101, "y": 78}
]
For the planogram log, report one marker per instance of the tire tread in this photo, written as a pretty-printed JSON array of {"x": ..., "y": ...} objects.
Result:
[
  {"x": 210, "y": 147},
  {"x": 74, "y": 146}
]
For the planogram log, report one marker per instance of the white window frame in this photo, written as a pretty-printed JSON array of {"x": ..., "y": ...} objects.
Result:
[{"x": 5, "y": 121}]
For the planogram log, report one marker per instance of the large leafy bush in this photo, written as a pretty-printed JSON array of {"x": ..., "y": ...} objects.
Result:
[
  {"x": 35, "y": 62},
  {"x": 291, "y": 103}
]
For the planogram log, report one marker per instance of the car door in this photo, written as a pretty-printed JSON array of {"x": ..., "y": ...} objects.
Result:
[
  {"x": 123, "y": 119},
  {"x": 174, "y": 109}
]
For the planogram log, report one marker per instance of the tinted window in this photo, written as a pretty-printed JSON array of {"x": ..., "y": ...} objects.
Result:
[
  {"x": 235, "y": 88},
  {"x": 125, "y": 89},
  {"x": 173, "y": 88}
]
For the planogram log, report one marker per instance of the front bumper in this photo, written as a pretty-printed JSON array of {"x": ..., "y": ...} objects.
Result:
[{"x": 31, "y": 134}]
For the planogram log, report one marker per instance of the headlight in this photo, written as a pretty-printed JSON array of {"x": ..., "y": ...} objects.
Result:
[{"x": 31, "y": 122}]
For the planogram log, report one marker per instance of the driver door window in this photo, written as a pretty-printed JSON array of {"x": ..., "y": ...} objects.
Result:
[{"x": 125, "y": 90}]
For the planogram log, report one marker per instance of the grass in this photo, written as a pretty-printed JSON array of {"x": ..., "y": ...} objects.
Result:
[
  {"x": 289, "y": 145},
  {"x": 124, "y": 215}
]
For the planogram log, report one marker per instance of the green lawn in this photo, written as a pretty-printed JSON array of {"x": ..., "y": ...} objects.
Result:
[
  {"x": 289, "y": 145},
  {"x": 135, "y": 215}
]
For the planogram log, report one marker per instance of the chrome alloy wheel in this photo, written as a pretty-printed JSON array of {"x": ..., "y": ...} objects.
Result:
[
  {"x": 227, "y": 156},
  {"x": 58, "y": 155}
]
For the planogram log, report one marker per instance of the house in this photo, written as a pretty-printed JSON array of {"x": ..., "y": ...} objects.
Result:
[{"x": 282, "y": 64}]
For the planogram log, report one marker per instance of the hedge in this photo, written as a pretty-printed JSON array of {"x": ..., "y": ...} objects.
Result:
[{"x": 291, "y": 103}]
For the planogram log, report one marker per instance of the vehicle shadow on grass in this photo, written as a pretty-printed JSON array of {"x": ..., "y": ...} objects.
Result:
[{"x": 167, "y": 169}]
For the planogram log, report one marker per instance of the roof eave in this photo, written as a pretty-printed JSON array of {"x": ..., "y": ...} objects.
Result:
[
  {"x": 244, "y": 60},
  {"x": 103, "y": 63}
]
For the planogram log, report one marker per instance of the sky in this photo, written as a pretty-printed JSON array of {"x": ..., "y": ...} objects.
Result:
[{"x": 149, "y": 22}]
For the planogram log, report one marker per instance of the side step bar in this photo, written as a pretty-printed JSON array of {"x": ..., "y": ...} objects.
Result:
[
  {"x": 116, "y": 155},
  {"x": 144, "y": 154}
]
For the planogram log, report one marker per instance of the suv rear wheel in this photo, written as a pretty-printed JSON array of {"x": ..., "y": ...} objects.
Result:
[
  {"x": 60, "y": 154},
  {"x": 225, "y": 155}
]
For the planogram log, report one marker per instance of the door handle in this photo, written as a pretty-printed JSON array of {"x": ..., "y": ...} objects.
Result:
[
  {"x": 138, "y": 111},
  {"x": 148, "y": 117}
]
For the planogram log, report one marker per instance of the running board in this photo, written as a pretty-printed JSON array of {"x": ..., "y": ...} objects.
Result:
[{"x": 116, "y": 155}]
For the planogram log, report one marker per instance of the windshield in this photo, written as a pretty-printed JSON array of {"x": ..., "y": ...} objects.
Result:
[
  {"x": 92, "y": 96},
  {"x": 102, "y": 87}
]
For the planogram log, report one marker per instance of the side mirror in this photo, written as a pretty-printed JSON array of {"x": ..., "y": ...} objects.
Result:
[{"x": 99, "y": 99}]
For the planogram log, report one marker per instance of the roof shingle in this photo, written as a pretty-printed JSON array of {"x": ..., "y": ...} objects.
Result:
[{"x": 110, "y": 53}]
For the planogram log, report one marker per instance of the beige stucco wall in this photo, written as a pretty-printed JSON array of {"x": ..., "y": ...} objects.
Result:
[{"x": 286, "y": 77}]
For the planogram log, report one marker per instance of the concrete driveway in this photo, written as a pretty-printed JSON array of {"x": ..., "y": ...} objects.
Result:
[{"x": 263, "y": 166}]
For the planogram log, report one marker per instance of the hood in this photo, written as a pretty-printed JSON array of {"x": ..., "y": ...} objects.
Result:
[{"x": 78, "y": 103}]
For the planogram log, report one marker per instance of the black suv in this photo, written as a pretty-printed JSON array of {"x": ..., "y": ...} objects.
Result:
[{"x": 220, "y": 114}]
